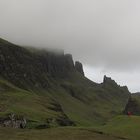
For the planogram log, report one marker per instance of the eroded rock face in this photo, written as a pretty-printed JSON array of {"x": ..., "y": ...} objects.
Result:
[
  {"x": 69, "y": 61},
  {"x": 79, "y": 67},
  {"x": 33, "y": 67},
  {"x": 13, "y": 121}
]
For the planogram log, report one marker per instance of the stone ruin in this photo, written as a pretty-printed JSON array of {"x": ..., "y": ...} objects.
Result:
[{"x": 13, "y": 121}]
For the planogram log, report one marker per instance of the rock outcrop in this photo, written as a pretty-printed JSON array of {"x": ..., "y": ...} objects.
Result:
[
  {"x": 13, "y": 121},
  {"x": 109, "y": 81},
  {"x": 79, "y": 67},
  {"x": 35, "y": 68}
]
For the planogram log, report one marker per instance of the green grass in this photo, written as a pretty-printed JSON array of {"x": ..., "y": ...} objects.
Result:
[
  {"x": 27, "y": 103},
  {"x": 123, "y": 126},
  {"x": 33, "y": 79},
  {"x": 54, "y": 134},
  {"x": 91, "y": 105},
  {"x": 88, "y": 110}
]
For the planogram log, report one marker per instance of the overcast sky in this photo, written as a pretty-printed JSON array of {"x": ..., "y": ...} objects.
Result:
[{"x": 103, "y": 34}]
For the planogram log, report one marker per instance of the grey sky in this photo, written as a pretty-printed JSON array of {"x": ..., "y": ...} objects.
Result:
[{"x": 103, "y": 34}]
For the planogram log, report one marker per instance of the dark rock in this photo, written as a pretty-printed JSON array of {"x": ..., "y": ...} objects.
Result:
[
  {"x": 18, "y": 63},
  {"x": 108, "y": 80},
  {"x": 79, "y": 67},
  {"x": 13, "y": 121},
  {"x": 110, "y": 83}
]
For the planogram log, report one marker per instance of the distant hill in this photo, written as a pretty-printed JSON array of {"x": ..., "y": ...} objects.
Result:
[{"x": 49, "y": 89}]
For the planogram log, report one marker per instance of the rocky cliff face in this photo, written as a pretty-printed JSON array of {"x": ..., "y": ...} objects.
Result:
[
  {"x": 79, "y": 67},
  {"x": 109, "y": 81},
  {"x": 33, "y": 67}
]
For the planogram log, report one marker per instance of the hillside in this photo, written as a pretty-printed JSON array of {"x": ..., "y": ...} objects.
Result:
[
  {"x": 49, "y": 89},
  {"x": 133, "y": 104},
  {"x": 123, "y": 126}
]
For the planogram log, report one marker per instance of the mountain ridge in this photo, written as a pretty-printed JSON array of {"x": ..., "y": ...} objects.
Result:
[{"x": 50, "y": 86}]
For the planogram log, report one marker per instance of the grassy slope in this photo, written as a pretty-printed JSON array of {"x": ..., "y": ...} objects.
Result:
[
  {"x": 124, "y": 126},
  {"x": 90, "y": 106},
  {"x": 94, "y": 104},
  {"x": 29, "y": 104},
  {"x": 22, "y": 102}
]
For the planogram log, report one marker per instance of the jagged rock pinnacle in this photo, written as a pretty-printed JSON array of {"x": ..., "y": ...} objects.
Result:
[{"x": 79, "y": 67}]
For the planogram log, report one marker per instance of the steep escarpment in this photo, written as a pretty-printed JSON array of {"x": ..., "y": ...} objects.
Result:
[
  {"x": 34, "y": 68},
  {"x": 49, "y": 89},
  {"x": 79, "y": 67}
]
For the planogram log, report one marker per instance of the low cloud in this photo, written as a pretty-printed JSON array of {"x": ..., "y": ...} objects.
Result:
[{"x": 100, "y": 33}]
